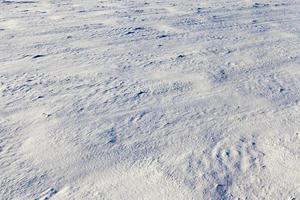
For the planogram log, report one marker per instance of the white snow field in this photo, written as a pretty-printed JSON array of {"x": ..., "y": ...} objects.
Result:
[{"x": 149, "y": 100}]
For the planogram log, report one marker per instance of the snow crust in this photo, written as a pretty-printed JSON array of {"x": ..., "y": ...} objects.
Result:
[{"x": 166, "y": 99}]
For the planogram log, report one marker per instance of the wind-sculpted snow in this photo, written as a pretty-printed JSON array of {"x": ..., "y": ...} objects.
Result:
[{"x": 149, "y": 99}]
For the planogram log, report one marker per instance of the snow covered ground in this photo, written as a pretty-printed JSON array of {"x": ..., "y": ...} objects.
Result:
[{"x": 140, "y": 99}]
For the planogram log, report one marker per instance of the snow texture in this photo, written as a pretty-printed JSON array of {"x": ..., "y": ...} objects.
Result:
[{"x": 146, "y": 100}]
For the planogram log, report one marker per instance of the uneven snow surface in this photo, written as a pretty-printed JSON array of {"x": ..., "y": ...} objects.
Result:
[{"x": 154, "y": 100}]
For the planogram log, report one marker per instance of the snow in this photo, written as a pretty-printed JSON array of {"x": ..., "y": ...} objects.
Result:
[{"x": 174, "y": 99}]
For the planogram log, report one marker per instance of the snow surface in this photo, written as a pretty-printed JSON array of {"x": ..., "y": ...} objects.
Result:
[{"x": 140, "y": 99}]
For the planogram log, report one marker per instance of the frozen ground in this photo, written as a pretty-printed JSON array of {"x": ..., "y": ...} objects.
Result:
[{"x": 181, "y": 99}]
